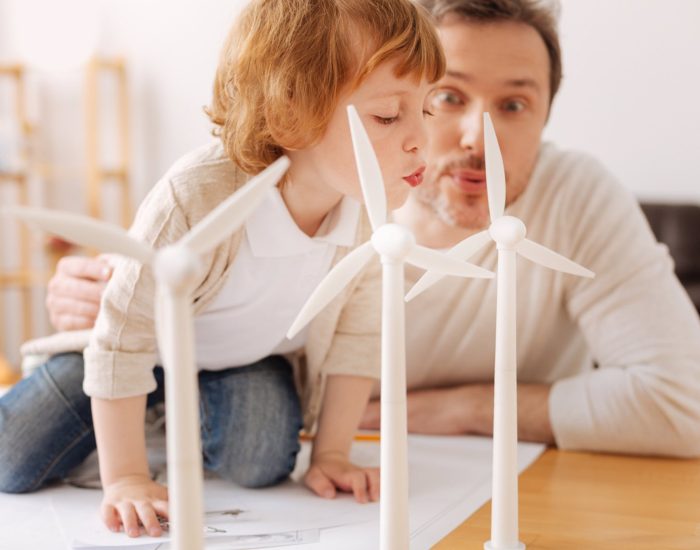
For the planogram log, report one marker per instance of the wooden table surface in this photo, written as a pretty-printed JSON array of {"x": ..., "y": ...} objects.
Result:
[{"x": 586, "y": 501}]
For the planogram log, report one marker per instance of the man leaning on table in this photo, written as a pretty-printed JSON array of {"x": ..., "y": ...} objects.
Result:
[
  {"x": 611, "y": 364},
  {"x": 634, "y": 320}
]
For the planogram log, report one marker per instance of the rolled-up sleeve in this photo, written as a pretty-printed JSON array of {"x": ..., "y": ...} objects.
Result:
[{"x": 122, "y": 352}]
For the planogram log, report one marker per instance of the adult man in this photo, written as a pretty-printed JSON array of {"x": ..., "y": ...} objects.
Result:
[{"x": 634, "y": 319}]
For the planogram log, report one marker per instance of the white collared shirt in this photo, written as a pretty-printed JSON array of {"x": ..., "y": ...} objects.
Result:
[{"x": 275, "y": 271}]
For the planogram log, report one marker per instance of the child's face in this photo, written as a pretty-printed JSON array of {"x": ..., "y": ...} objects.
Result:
[{"x": 393, "y": 111}]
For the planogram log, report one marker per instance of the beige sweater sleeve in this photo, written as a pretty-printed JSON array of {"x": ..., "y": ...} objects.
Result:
[
  {"x": 122, "y": 352},
  {"x": 641, "y": 327}
]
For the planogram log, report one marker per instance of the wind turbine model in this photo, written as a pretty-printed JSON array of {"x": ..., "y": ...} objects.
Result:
[
  {"x": 508, "y": 233},
  {"x": 175, "y": 267},
  {"x": 395, "y": 245}
]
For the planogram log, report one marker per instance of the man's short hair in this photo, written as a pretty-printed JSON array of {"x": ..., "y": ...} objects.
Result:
[
  {"x": 541, "y": 16},
  {"x": 285, "y": 64}
]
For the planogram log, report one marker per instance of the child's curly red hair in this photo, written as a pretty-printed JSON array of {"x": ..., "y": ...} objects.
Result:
[{"x": 285, "y": 63}]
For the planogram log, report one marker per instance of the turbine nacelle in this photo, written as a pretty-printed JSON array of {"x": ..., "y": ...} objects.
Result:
[
  {"x": 393, "y": 241},
  {"x": 508, "y": 232},
  {"x": 177, "y": 266}
]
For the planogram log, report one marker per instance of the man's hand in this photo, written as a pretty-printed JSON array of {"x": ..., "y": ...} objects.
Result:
[
  {"x": 331, "y": 471},
  {"x": 74, "y": 292},
  {"x": 468, "y": 409}
]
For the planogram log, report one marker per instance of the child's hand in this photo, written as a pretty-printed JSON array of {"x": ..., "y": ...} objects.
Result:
[
  {"x": 330, "y": 471},
  {"x": 134, "y": 501}
]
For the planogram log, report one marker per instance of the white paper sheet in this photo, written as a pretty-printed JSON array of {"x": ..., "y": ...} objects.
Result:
[
  {"x": 236, "y": 542},
  {"x": 287, "y": 508},
  {"x": 450, "y": 478}
]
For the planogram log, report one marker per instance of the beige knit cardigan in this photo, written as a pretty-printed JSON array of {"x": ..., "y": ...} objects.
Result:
[{"x": 121, "y": 353}]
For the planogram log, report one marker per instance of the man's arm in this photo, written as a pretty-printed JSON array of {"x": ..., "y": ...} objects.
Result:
[
  {"x": 468, "y": 409},
  {"x": 641, "y": 328}
]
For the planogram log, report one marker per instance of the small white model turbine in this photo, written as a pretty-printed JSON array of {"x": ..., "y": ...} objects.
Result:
[
  {"x": 508, "y": 233},
  {"x": 175, "y": 268},
  {"x": 396, "y": 245}
]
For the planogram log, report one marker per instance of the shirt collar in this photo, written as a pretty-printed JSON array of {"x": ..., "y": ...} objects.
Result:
[{"x": 271, "y": 231}]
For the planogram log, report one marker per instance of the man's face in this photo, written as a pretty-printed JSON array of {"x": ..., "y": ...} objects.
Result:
[{"x": 501, "y": 68}]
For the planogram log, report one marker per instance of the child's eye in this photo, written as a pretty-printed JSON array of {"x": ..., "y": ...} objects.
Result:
[{"x": 386, "y": 120}]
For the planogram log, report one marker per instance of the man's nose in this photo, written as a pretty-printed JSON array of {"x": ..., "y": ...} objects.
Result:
[{"x": 472, "y": 131}]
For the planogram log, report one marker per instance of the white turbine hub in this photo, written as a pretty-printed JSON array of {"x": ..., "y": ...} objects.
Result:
[
  {"x": 393, "y": 241},
  {"x": 507, "y": 231},
  {"x": 176, "y": 266}
]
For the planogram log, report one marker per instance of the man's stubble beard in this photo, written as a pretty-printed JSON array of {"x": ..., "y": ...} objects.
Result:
[
  {"x": 455, "y": 209},
  {"x": 467, "y": 214}
]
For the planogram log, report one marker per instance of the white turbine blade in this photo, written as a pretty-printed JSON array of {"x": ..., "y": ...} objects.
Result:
[
  {"x": 544, "y": 256},
  {"x": 84, "y": 231},
  {"x": 495, "y": 173},
  {"x": 369, "y": 171},
  {"x": 466, "y": 248},
  {"x": 331, "y": 285},
  {"x": 432, "y": 260},
  {"x": 226, "y": 218},
  {"x": 423, "y": 284},
  {"x": 462, "y": 251}
]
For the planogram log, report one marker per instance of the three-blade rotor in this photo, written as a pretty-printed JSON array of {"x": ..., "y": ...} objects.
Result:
[
  {"x": 218, "y": 225},
  {"x": 496, "y": 193},
  {"x": 496, "y": 189},
  {"x": 374, "y": 194}
]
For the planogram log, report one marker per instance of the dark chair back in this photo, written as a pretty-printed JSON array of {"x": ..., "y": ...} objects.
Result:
[{"x": 678, "y": 227}]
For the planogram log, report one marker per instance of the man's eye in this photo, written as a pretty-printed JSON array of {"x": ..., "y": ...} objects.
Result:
[
  {"x": 446, "y": 99},
  {"x": 514, "y": 106},
  {"x": 386, "y": 120}
]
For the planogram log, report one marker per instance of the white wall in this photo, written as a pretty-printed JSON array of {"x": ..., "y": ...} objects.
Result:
[
  {"x": 171, "y": 47},
  {"x": 631, "y": 91},
  {"x": 630, "y": 95}
]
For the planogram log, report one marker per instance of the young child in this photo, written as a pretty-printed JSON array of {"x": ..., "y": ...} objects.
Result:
[{"x": 287, "y": 73}]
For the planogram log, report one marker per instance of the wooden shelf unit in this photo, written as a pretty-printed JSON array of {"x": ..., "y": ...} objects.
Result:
[
  {"x": 23, "y": 277},
  {"x": 97, "y": 174}
]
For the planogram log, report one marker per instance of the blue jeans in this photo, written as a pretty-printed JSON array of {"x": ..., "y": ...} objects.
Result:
[{"x": 250, "y": 421}]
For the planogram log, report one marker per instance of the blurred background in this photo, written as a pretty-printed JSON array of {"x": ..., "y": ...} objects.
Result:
[{"x": 99, "y": 97}]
